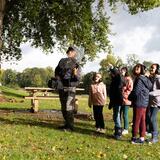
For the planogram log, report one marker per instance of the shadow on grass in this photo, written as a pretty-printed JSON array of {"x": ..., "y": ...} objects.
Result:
[{"x": 80, "y": 127}]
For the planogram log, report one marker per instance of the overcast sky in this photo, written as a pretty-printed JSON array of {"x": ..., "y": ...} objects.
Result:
[{"x": 138, "y": 34}]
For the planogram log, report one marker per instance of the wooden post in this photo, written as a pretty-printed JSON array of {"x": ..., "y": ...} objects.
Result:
[
  {"x": 34, "y": 102},
  {"x": 34, "y": 105}
]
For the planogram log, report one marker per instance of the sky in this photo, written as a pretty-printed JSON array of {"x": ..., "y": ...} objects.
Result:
[{"x": 134, "y": 34}]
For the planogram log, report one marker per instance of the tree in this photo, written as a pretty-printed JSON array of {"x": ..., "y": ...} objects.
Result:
[
  {"x": 148, "y": 64},
  {"x": 87, "y": 80},
  {"x": 135, "y": 6},
  {"x": 132, "y": 60},
  {"x": 46, "y": 22},
  {"x": 9, "y": 78},
  {"x": 110, "y": 61}
]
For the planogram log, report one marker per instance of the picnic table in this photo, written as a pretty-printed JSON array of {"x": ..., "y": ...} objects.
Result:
[
  {"x": 37, "y": 93},
  {"x": 35, "y": 96}
]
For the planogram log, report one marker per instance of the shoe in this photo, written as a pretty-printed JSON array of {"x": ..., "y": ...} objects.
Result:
[
  {"x": 152, "y": 140},
  {"x": 124, "y": 132},
  {"x": 133, "y": 140},
  {"x": 66, "y": 128},
  {"x": 148, "y": 134},
  {"x": 98, "y": 130},
  {"x": 137, "y": 141},
  {"x": 63, "y": 127},
  {"x": 102, "y": 131},
  {"x": 117, "y": 137}
]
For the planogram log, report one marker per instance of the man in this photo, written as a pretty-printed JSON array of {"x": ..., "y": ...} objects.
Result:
[{"x": 68, "y": 74}]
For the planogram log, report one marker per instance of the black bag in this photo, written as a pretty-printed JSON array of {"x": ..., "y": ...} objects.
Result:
[
  {"x": 52, "y": 83},
  {"x": 132, "y": 96}
]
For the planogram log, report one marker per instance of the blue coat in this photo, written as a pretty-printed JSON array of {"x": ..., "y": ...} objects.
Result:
[{"x": 140, "y": 93}]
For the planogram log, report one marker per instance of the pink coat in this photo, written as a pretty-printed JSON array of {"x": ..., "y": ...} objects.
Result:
[
  {"x": 97, "y": 94},
  {"x": 126, "y": 90}
]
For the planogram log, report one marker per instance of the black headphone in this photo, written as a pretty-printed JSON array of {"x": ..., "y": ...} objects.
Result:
[{"x": 157, "y": 70}]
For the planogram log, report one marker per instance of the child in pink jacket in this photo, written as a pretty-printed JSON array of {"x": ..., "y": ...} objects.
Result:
[
  {"x": 97, "y": 98},
  {"x": 126, "y": 90}
]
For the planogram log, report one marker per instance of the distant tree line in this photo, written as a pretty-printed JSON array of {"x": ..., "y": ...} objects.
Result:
[{"x": 37, "y": 77}]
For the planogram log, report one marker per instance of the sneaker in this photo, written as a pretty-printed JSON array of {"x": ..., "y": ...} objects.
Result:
[
  {"x": 152, "y": 140},
  {"x": 66, "y": 128},
  {"x": 133, "y": 140},
  {"x": 137, "y": 141},
  {"x": 102, "y": 131},
  {"x": 148, "y": 134},
  {"x": 117, "y": 137},
  {"x": 124, "y": 132},
  {"x": 98, "y": 129}
]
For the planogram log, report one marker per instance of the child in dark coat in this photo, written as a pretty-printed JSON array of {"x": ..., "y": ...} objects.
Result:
[
  {"x": 140, "y": 98},
  {"x": 116, "y": 100}
]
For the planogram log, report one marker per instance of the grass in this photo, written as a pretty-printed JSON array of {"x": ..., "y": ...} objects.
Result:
[{"x": 27, "y": 136}]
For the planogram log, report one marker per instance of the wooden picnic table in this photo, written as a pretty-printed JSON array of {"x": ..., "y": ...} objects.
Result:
[
  {"x": 34, "y": 96},
  {"x": 35, "y": 93}
]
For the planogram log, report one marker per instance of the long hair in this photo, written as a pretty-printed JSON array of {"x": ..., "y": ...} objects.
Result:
[
  {"x": 157, "y": 67},
  {"x": 142, "y": 69}
]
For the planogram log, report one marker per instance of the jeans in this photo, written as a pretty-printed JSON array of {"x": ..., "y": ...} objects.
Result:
[
  {"x": 148, "y": 120},
  {"x": 116, "y": 116},
  {"x": 98, "y": 116},
  {"x": 153, "y": 119},
  {"x": 124, "y": 115}
]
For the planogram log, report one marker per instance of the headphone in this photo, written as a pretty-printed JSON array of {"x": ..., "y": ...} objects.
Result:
[{"x": 157, "y": 70}]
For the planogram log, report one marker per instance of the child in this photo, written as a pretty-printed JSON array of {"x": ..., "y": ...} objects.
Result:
[
  {"x": 97, "y": 98},
  {"x": 126, "y": 90},
  {"x": 140, "y": 98},
  {"x": 154, "y": 101},
  {"x": 116, "y": 100}
]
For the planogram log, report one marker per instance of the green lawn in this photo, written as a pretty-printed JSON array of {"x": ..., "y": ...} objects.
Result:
[{"x": 28, "y": 136}]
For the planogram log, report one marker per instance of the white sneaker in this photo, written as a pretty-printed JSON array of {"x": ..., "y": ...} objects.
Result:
[
  {"x": 98, "y": 129},
  {"x": 148, "y": 134},
  {"x": 124, "y": 132},
  {"x": 102, "y": 131}
]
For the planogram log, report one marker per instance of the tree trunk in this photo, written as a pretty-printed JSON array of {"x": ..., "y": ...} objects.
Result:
[{"x": 2, "y": 11}]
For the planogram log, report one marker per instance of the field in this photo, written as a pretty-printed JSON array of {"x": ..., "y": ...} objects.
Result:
[{"x": 29, "y": 136}]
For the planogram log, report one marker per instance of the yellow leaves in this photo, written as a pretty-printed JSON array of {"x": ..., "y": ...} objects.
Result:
[
  {"x": 101, "y": 155},
  {"x": 4, "y": 158},
  {"x": 54, "y": 148},
  {"x": 78, "y": 150},
  {"x": 125, "y": 156}
]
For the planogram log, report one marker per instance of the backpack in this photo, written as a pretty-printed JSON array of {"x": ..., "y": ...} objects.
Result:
[{"x": 52, "y": 83}]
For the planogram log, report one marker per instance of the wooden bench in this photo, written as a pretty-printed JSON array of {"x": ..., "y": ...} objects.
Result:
[{"x": 35, "y": 97}]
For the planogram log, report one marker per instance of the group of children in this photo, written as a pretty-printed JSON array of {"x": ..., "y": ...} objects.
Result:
[{"x": 141, "y": 92}]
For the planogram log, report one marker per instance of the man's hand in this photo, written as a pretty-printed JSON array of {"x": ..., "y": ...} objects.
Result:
[{"x": 75, "y": 71}]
